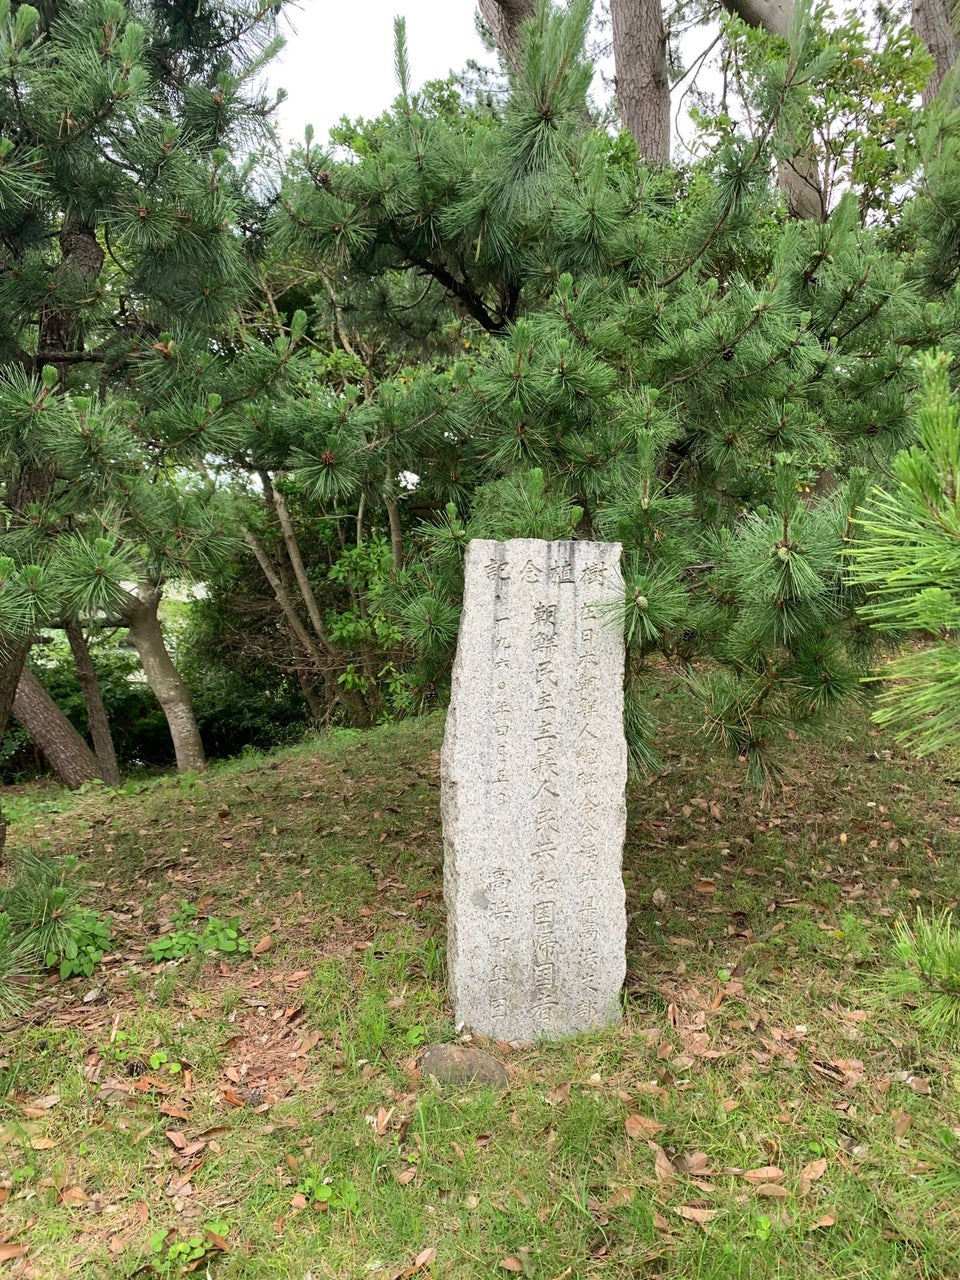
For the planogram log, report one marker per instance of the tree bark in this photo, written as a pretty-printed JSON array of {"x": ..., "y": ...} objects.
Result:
[
  {"x": 393, "y": 513},
  {"x": 296, "y": 561},
  {"x": 308, "y": 687},
  {"x": 282, "y": 597},
  {"x": 12, "y": 658},
  {"x": 98, "y": 722},
  {"x": 323, "y": 653},
  {"x": 301, "y": 637},
  {"x": 68, "y": 756},
  {"x": 505, "y": 19},
  {"x": 642, "y": 79},
  {"x": 799, "y": 176},
  {"x": 640, "y": 55},
  {"x": 81, "y": 258},
  {"x": 802, "y": 183},
  {"x": 771, "y": 15},
  {"x": 146, "y": 635},
  {"x": 933, "y": 22}
]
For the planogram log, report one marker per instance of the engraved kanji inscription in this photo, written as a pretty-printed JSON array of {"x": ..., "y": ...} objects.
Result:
[{"x": 533, "y": 773}]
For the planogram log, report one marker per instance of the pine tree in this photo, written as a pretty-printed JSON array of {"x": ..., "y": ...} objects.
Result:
[
  {"x": 658, "y": 357},
  {"x": 117, "y": 199}
]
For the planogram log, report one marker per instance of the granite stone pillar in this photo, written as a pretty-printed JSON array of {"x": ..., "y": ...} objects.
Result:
[{"x": 533, "y": 772}]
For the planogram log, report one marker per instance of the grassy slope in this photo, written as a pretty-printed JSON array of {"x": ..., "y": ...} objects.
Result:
[{"x": 754, "y": 1037}]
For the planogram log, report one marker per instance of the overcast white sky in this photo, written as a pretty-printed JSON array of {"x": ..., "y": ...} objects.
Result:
[{"x": 339, "y": 56}]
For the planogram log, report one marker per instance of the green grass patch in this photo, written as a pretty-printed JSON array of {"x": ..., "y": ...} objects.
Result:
[{"x": 764, "y": 1109}]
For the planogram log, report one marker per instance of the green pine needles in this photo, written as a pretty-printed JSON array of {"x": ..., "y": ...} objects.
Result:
[
  {"x": 42, "y": 926},
  {"x": 906, "y": 557},
  {"x": 603, "y": 350},
  {"x": 928, "y": 973}
]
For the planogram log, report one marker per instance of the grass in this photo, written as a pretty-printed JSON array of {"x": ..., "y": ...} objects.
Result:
[{"x": 269, "y": 1107}]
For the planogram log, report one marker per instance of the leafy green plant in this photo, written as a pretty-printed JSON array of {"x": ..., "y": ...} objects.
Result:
[
  {"x": 927, "y": 975},
  {"x": 326, "y": 1192},
  {"x": 118, "y": 1050},
  {"x": 222, "y": 936},
  {"x": 763, "y": 1228},
  {"x": 83, "y": 947},
  {"x": 160, "y": 1060},
  {"x": 178, "y": 1257},
  {"x": 124, "y": 1049}
]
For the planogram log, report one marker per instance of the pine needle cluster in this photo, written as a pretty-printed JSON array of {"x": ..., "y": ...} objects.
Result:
[
  {"x": 656, "y": 357},
  {"x": 906, "y": 558},
  {"x": 927, "y": 974},
  {"x": 42, "y": 926}
]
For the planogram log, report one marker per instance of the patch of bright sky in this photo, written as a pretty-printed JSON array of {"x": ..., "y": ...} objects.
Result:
[{"x": 338, "y": 58}]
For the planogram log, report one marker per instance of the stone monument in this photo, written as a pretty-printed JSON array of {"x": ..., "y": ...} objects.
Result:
[{"x": 533, "y": 774}]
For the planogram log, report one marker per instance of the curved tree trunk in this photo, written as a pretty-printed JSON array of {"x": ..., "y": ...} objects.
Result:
[
  {"x": 12, "y": 658},
  {"x": 933, "y": 22},
  {"x": 81, "y": 256},
  {"x": 505, "y": 19},
  {"x": 800, "y": 178},
  {"x": 98, "y": 721},
  {"x": 642, "y": 79},
  {"x": 774, "y": 16},
  {"x": 68, "y": 756},
  {"x": 146, "y": 635}
]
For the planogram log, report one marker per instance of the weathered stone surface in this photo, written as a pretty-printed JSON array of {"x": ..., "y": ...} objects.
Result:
[
  {"x": 459, "y": 1064},
  {"x": 533, "y": 792}
]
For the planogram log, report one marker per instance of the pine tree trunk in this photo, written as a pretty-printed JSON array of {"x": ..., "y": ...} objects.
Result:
[
  {"x": 12, "y": 658},
  {"x": 505, "y": 19},
  {"x": 81, "y": 257},
  {"x": 299, "y": 571},
  {"x": 146, "y": 635},
  {"x": 98, "y": 722},
  {"x": 324, "y": 658},
  {"x": 642, "y": 80},
  {"x": 933, "y": 22},
  {"x": 69, "y": 757},
  {"x": 802, "y": 183},
  {"x": 800, "y": 178},
  {"x": 393, "y": 514},
  {"x": 774, "y": 16},
  {"x": 282, "y": 597},
  {"x": 317, "y": 647}
]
